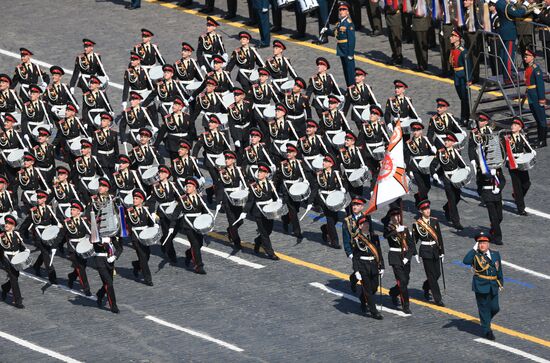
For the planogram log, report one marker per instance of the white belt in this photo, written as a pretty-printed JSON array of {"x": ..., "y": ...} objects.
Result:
[
  {"x": 139, "y": 228},
  {"x": 102, "y": 254},
  {"x": 9, "y": 253},
  {"x": 192, "y": 215},
  {"x": 231, "y": 190},
  {"x": 292, "y": 117},
  {"x": 105, "y": 152},
  {"x": 36, "y": 123},
  {"x": 45, "y": 169},
  {"x": 428, "y": 243},
  {"x": 165, "y": 204},
  {"x": 325, "y": 192},
  {"x": 87, "y": 178},
  {"x": 488, "y": 187},
  {"x": 366, "y": 258},
  {"x": 333, "y": 132},
  {"x": 374, "y": 145},
  {"x": 277, "y": 80},
  {"x": 395, "y": 249},
  {"x": 242, "y": 126},
  {"x": 9, "y": 150},
  {"x": 264, "y": 202},
  {"x": 179, "y": 134},
  {"x": 40, "y": 227}
]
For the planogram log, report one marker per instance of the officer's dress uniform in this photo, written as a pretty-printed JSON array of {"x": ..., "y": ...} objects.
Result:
[
  {"x": 520, "y": 178},
  {"x": 149, "y": 54},
  {"x": 280, "y": 70},
  {"x": 57, "y": 95},
  {"x": 344, "y": 31},
  {"x": 401, "y": 247},
  {"x": 280, "y": 132},
  {"x": 507, "y": 12},
  {"x": 29, "y": 181},
  {"x": 487, "y": 279},
  {"x": 206, "y": 102},
  {"x": 534, "y": 83},
  {"x": 139, "y": 219},
  {"x": 10, "y": 244},
  {"x": 252, "y": 156},
  {"x": 187, "y": 70},
  {"x": 74, "y": 229},
  {"x": 428, "y": 234},
  {"x": 143, "y": 157},
  {"x": 45, "y": 160}
]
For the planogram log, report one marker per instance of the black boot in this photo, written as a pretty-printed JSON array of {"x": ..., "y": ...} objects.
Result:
[
  {"x": 353, "y": 282},
  {"x": 257, "y": 245},
  {"x": 188, "y": 258},
  {"x": 135, "y": 268},
  {"x": 99, "y": 295},
  {"x": 71, "y": 280}
]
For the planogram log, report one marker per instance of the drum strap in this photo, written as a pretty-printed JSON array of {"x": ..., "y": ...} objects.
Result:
[{"x": 428, "y": 228}]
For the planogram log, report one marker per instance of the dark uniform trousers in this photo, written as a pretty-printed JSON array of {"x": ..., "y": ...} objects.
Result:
[
  {"x": 292, "y": 216},
  {"x": 394, "y": 24},
  {"x": 44, "y": 258},
  {"x": 106, "y": 270},
  {"x": 432, "y": 268},
  {"x": 265, "y": 227},
  {"x": 520, "y": 184},
  {"x": 79, "y": 269},
  {"x": 168, "y": 238},
  {"x": 474, "y": 44},
  {"x": 423, "y": 184},
  {"x": 402, "y": 277},
  {"x": 13, "y": 281},
  {"x": 420, "y": 26},
  {"x": 369, "y": 280},
  {"x": 196, "y": 241},
  {"x": 142, "y": 264},
  {"x": 374, "y": 13},
  {"x": 453, "y": 197},
  {"x": 233, "y": 212},
  {"x": 445, "y": 45}
]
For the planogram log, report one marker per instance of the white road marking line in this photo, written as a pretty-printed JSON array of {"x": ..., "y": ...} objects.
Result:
[
  {"x": 512, "y": 350},
  {"x": 38, "y": 348},
  {"x": 354, "y": 299},
  {"x": 225, "y": 255},
  {"x": 473, "y": 193},
  {"x": 195, "y": 333},
  {"x": 48, "y": 65},
  {"x": 526, "y": 270},
  {"x": 60, "y": 287}
]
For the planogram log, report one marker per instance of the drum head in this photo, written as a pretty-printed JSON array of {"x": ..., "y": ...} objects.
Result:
[
  {"x": 20, "y": 257},
  {"x": 254, "y": 76},
  {"x": 156, "y": 73},
  {"x": 299, "y": 188},
  {"x": 94, "y": 183},
  {"x": 149, "y": 232},
  {"x": 97, "y": 120},
  {"x": 228, "y": 100},
  {"x": 459, "y": 175},
  {"x": 68, "y": 213},
  {"x": 128, "y": 200},
  {"x": 357, "y": 174},
  {"x": 317, "y": 163},
  {"x": 15, "y": 155},
  {"x": 83, "y": 247},
  {"x": 335, "y": 197},
  {"x": 339, "y": 138},
  {"x": 50, "y": 233},
  {"x": 203, "y": 221},
  {"x": 220, "y": 161},
  {"x": 239, "y": 194},
  {"x": 272, "y": 207},
  {"x": 288, "y": 85},
  {"x": 426, "y": 161},
  {"x": 269, "y": 111},
  {"x": 193, "y": 86},
  {"x": 365, "y": 115},
  {"x": 150, "y": 173}
]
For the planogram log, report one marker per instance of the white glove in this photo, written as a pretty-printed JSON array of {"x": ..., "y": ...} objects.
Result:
[
  {"x": 324, "y": 30},
  {"x": 238, "y": 143},
  {"x": 417, "y": 258},
  {"x": 218, "y": 207},
  {"x": 436, "y": 179},
  {"x": 442, "y": 257},
  {"x": 242, "y": 216},
  {"x": 473, "y": 162},
  {"x": 400, "y": 228},
  {"x": 59, "y": 225},
  {"x": 537, "y": 12},
  {"x": 124, "y": 104},
  {"x": 381, "y": 273},
  {"x": 191, "y": 99},
  {"x": 350, "y": 58},
  {"x": 265, "y": 10},
  {"x": 493, "y": 172},
  {"x": 405, "y": 260},
  {"x": 526, "y": 3},
  {"x": 411, "y": 175},
  {"x": 350, "y": 256},
  {"x": 475, "y": 246},
  {"x": 72, "y": 90},
  {"x": 111, "y": 259},
  {"x": 496, "y": 190}
]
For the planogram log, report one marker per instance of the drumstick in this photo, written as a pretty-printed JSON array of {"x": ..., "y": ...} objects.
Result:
[
  {"x": 170, "y": 230},
  {"x": 238, "y": 220},
  {"x": 306, "y": 212},
  {"x": 54, "y": 250}
]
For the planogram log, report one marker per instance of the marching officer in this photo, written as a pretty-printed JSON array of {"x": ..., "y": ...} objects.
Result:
[
  {"x": 86, "y": 64},
  {"x": 535, "y": 92},
  {"x": 462, "y": 69},
  {"x": 105, "y": 144},
  {"x": 107, "y": 251},
  {"x": 148, "y": 51},
  {"x": 487, "y": 281},
  {"x": 11, "y": 243},
  {"x": 9, "y": 100},
  {"x": 75, "y": 228},
  {"x": 344, "y": 32},
  {"x": 418, "y": 148},
  {"x": 210, "y": 44},
  {"x": 401, "y": 251},
  {"x": 426, "y": 232},
  {"x": 139, "y": 219},
  {"x": 176, "y": 127},
  {"x": 520, "y": 178},
  {"x": 364, "y": 250},
  {"x": 27, "y": 73}
]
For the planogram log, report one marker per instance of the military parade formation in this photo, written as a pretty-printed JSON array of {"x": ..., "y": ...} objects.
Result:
[{"x": 221, "y": 134}]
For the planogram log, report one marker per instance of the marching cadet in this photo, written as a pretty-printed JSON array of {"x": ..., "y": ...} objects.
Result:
[
  {"x": 420, "y": 25},
  {"x": 210, "y": 44},
  {"x": 441, "y": 124},
  {"x": 126, "y": 180},
  {"x": 402, "y": 249},
  {"x": 426, "y": 232},
  {"x": 254, "y": 154},
  {"x": 344, "y": 31},
  {"x": 9, "y": 100},
  {"x": 262, "y": 192},
  {"x": 94, "y": 98},
  {"x": 69, "y": 131},
  {"x": 40, "y": 217},
  {"x": 478, "y": 137},
  {"x": 487, "y": 281},
  {"x": 27, "y": 74},
  {"x": 333, "y": 121},
  {"x": 364, "y": 250},
  {"x": 57, "y": 93},
  {"x": 240, "y": 118},
  {"x": 350, "y": 228},
  {"x": 360, "y": 96},
  {"x": 520, "y": 178},
  {"x": 289, "y": 172},
  {"x": 86, "y": 168},
  {"x": 144, "y": 155},
  {"x": 135, "y": 78},
  {"x": 7, "y": 205},
  {"x": 105, "y": 144},
  {"x": 176, "y": 126},
  {"x": 185, "y": 165},
  {"x": 490, "y": 190},
  {"x": 30, "y": 179},
  {"x": 535, "y": 92},
  {"x": 230, "y": 179},
  {"x": 399, "y": 106},
  {"x": 107, "y": 251},
  {"x": 45, "y": 156},
  {"x": 166, "y": 91},
  {"x": 207, "y": 101},
  {"x": 448, "y": 159},
  {"x": 279, "y": 66},
  {"x": 135, "y": 118},
  {"x": 321, "y": 85},
  {"x": 163, "y": 193},
  {"x": 280, "y": 132},
  {"x": 11, "y": 243},
  {"x": 418, "y": 148},
  {"x": 193, "y": 204},
  {"x": 213, "y": 143},
  {"x": 148, "y": 51},
  {"x": 245, "y": 58},
  {"x": 373, "y": 135},
  {"x": 311, "y": 145},
  {"x": 64, "y": 192},
  {"x": 139, "y": 218},
  {"x": 327, "y": 180},
  {"x": 35, "y": 112},
  {"x": 222, "y": 77},
  {"x": 75, "y": 229},
  {"x": 351, "y": 157},
  {"x": 187, "y": 69},
  {"x": 260, "y": 95},
  {"x": 297, "y": 106},
  {"x": 10, "y": 139},
  {"x": 462, "y": 69},
  {"x": 86, "y": 64}
]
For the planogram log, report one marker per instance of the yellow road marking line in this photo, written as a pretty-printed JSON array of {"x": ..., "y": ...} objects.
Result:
[
  {"x": 315, "y": 46},
  {"x": 445, "y": 310}
]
